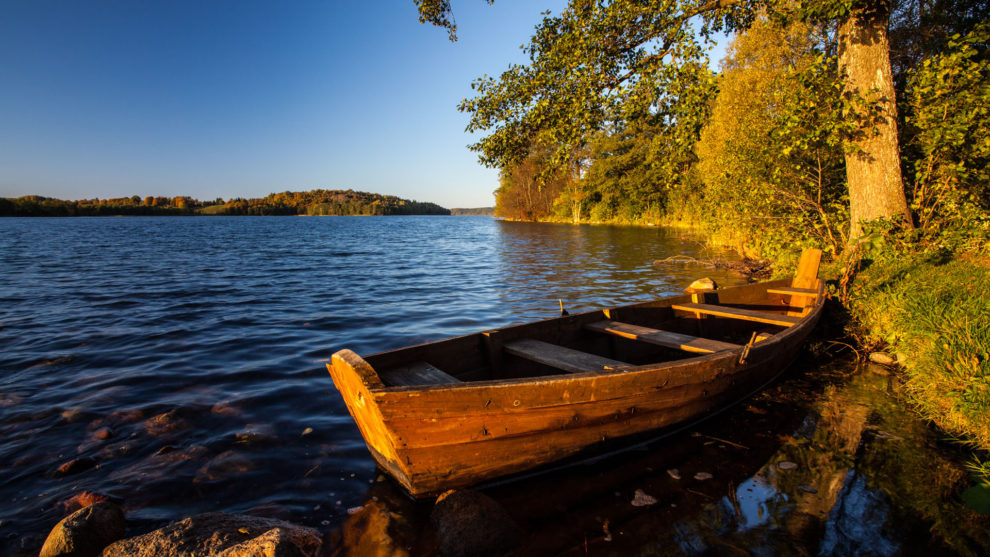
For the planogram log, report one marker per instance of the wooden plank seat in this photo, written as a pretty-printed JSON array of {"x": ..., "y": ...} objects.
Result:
[
  {"x": 743, "y": 314},
  {"x": 668, "y": 339},
  {"x": 416, "y": 373},
  {"x": 791, "y": 291},
  {"x": 566, "y": 359}
]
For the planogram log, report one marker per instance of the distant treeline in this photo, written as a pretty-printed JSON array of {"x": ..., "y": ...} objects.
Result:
[
  {"x": 315, "y": 202},
  {"x": 488, "y": 211}
]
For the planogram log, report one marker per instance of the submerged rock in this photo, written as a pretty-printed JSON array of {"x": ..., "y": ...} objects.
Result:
[
  {"x": 222, "y": 534},
  {"x": 471, "y": 524},
  {"x": 75, "y": 466},
  {"x": 85, "y": 532},
  {"x": 166, "y": 425},
  {"x": 641, "y": 499},
  {"x": 83, "y": 499}
]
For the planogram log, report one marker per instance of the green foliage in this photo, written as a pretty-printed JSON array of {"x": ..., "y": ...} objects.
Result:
[
  {"x": 315, "y": 202},
  {"x": 949, "y": 98},
  {"x": 527, "y": 191},
  {"x": 596, "y": 64},
  {"x": 771, "y": 157}
]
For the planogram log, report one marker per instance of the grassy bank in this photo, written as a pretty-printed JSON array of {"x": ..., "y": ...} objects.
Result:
[{"x": 935, "y": 314}]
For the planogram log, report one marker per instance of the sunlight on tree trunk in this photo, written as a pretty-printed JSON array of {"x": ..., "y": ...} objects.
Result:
[{"x": 873, "y": 167}]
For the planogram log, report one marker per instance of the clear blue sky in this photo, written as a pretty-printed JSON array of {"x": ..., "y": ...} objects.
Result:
[{"x": 224, "y": 98}]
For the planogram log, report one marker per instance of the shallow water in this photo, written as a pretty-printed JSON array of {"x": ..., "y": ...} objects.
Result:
[{"x": 182, "y": 359}]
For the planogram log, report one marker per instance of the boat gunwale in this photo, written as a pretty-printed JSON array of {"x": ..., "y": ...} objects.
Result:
[{"x": 668, "y": 366}]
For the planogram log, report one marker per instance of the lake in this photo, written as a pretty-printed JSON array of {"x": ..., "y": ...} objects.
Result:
[{"x": 180, "y": 362}]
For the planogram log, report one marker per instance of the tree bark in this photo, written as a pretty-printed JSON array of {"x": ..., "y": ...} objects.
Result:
[{"x": 873, "y": 166}]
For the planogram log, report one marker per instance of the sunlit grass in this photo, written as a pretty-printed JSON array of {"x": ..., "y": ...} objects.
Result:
[{"x": 937, "y": 317}]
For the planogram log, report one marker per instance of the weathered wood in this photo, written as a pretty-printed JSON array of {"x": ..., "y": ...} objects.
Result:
[
  {"x": 806, "y": 277},
  {"x": 667, "y": 339},
  {"x": 566, "y": 359},
  {"x": 416, "y": 373},
  {"x": 435, "y": 437},
  {"x": 789, "y": 291},
  {"x": 744, "y": 314}
]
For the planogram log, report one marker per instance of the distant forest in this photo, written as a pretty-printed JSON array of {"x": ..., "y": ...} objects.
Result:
[
  {"x": 486, "y": 211},
  {"x": 314, "y": 202}
]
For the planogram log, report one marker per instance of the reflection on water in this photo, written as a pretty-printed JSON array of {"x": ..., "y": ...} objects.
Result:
[
  {"x": 825, "y": 463},
  {"x": 177, "y": 364}
]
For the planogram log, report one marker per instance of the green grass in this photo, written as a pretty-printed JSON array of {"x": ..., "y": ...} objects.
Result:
[{"x": 936, "y": 315}]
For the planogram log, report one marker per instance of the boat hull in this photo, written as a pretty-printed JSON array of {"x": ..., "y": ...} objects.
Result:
[{"x": 438, "y": 437}]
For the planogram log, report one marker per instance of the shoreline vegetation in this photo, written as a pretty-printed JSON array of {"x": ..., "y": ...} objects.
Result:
[
  {"x": 310, "y": 203},
  {"x": 765, "y": 157}
]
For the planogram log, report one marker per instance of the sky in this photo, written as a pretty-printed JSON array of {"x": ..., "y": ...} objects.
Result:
[{"x": 242, "y": 98}]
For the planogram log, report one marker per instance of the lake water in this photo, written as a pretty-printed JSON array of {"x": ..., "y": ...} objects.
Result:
[{"x": 182, "y": 360}]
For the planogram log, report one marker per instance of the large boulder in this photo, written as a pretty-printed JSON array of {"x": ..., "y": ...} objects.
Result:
[
  {"x": 85, "y": 532},
  {"x": 471, "y": 524},
  {"x": 223, "y": 534}
]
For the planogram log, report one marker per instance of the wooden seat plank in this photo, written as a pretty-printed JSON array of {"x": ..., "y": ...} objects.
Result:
[
  {"x": 744, "y": 314},
  {"x": 668, "y": 339},
  {"x": 416, "y": 373},
  {"x": 791, "y": 291},
  {"x": 566, "y": 359}
]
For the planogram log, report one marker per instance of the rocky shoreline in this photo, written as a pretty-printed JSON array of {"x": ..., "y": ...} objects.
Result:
[{"x": 462, "y": 523}]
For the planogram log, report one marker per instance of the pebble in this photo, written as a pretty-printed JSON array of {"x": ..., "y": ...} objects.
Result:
[
  {"x": 641, "y": 499},
  {"x": 882, "y": 358},
  {"x": 701, "y": 476},
  {"x": 787, "y": 465},
  {"x": 674, "y": 473}
]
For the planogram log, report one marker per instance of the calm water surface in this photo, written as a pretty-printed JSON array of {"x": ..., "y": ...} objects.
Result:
[{"x": 182, "y": 359}]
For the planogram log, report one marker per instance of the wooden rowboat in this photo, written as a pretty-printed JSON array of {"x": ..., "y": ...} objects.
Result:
[{"x": 460, "y": 411}]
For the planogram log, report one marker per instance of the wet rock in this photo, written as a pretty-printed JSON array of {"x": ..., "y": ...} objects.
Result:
[
  {"x": 702, "y": 476},
  {"x": 83, "y": 499},
  {"x": 75, "y": 466},
  {"x": 73, "y": 415},
  {"x": 165, "y": 425},
  {"x": 223, "y": 466},
  {"x": 169, "y": 461},
  {"x": 124, "y": 417},
  {"x": 10, "y": 401},
  {"x": 103, "y": 433},
  {"x": 222, "y": 534},
  {"x": 226, "y": 409},
  {"x": 85, "y": 532},
  {"x": 255, "y": 434},
  {"x": 641, "y": 499},
  {"x": 674, "y": 473},
  {"x": 472, "y": 524}
]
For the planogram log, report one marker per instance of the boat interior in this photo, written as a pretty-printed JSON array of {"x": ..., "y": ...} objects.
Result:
[{"x": 699, "y": 323}]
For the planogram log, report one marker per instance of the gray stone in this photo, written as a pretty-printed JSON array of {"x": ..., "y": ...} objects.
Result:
[
  {"x": 882, "y": 358},
  {"x": 470, "y": 524},
  {"x": 85, "y": 532},
  {"x": 223, "y": 534}
]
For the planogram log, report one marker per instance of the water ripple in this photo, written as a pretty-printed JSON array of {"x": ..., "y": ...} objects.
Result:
[{"x": 185, "y": 356}]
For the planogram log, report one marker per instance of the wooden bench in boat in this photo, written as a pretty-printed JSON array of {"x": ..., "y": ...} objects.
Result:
[
  {"x": 566, "y": 359},
  {"x": 744, "y": 314},
  {"x": 667, "y": 339},
  {"x": 416, "y": 373},
  {"x": 790, "y": 291}
]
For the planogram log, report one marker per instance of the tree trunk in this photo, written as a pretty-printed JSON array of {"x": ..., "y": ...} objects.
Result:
[{"x": 873, "y": 166}]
